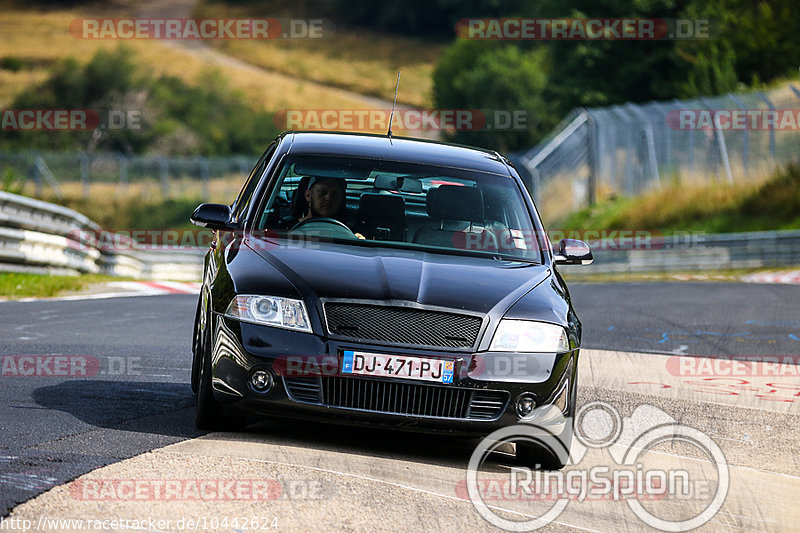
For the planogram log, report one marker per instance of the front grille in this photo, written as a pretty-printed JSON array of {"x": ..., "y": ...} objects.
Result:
[
  {"x": 412, "y": 399},
  {"x": 486, "y": 405},
  {"x": 402, "y": 325},
  {"x": 303, "y": 389}
]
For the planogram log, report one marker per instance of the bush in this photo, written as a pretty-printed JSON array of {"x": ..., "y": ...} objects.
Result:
[
  {"x": 490, "y": 76},
  {"x": 175, "y": 118},
  {"x": 11, "y": 63},
  {"x": 10, "y": 182}
]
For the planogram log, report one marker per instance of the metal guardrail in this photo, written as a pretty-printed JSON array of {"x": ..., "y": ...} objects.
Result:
[
  {"x": 700, "y": 252},
  {"x": 37, "y": 236},
  {"x": 169, "y": 174},
  {"x": 41, "y": 237}
]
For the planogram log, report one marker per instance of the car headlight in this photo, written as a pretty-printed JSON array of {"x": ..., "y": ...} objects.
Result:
[
  {"x": 529, "y": 336},
  {"x": 270, "y": 311}
]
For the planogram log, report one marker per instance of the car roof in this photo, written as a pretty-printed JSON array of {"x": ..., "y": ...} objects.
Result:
[{"x": 396, "y": 149}]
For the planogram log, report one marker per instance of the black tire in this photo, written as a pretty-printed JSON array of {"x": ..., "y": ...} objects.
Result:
[
  {"x": 556, "y": 457},
  {"x": 196, "y": 348},
  {"x": 542, "y": 457},
  {"x": 208, "y": 413}
]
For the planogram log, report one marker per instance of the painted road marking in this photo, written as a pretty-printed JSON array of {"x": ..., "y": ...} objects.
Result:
[
  {"x": 760, "y": 493},
  {"x": 791, "y": 277},
  {"x": 122, "y": 289}
]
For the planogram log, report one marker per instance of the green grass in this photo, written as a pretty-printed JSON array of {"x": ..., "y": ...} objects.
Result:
[
  {"x": 133, "y": 213},
  {"x": 18, "y": 285},
  {"x": 770, "y": 205},
  {"x": 578, "y": 275}
]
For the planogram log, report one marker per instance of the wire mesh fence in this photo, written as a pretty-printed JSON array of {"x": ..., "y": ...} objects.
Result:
[
  {"x": 84, "y": 174},
  {"x": 628, "y": 149},
  {"x": 622, "y": 150}
]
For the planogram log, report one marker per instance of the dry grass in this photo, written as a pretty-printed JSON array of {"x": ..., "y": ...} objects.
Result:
[
  {"x": 41, "y": 38},
  {"x": 222, "y": 190},
  {"x": 141, "y": 204},
  {"x": 769, "y": 204},
  {"x": 12, "y": 83},
  {"x": 356, "y": 60}
]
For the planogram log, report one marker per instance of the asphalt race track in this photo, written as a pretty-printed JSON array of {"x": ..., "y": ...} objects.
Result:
[
  {"x": 709, "y": 319},
  {"x": 109, "y": 400}
]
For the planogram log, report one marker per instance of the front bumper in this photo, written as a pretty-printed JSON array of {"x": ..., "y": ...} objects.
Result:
[{"x": 481, "y": 398}]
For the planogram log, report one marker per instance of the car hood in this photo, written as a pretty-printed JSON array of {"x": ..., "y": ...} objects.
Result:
[{"x": 330, "y": 270}]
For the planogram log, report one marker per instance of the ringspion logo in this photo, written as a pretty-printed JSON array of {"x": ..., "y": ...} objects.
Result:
[{"x": 632, "y": 476}]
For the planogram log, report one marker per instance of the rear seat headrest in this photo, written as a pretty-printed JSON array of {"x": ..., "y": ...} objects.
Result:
[{"x": 455, "y": 202}]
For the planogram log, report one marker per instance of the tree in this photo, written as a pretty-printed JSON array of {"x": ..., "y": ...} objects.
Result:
[{"x": 495, "y": 77}]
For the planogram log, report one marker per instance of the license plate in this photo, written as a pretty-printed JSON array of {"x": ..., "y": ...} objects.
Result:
[{"x": 398, "y": 366}]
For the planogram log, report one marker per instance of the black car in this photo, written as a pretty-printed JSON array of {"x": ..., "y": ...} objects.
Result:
[{"x": 385, "y": 281}]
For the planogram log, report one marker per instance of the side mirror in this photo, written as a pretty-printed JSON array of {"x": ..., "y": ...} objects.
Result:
[
  {"x": 573, "y": 252},
  {"x": 212, "y": 216}
]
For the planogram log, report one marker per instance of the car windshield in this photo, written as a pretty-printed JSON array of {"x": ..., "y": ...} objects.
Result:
[{"x": 387, "y": 203}]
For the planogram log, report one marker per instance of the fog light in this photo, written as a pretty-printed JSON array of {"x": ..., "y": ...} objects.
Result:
[
  {"x": 261, "y": 380},
  {"x": 526, "y": 403}
]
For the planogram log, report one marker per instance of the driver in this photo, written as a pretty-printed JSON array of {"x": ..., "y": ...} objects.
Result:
[{"x": 324, "y": 197}]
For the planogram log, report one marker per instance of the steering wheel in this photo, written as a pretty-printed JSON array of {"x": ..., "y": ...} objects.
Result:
[{"x": 324, "y": 220}]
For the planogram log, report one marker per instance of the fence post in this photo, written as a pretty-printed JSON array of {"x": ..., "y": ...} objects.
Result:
[
  {"x": 721, "y": 146},
  {"x": 690, "y": 142},
  {"x": 164, "y": 169},
  {"x": 536, "y": 185},
  {"x": 630, "y": 187},
  {"x": 745, "y": 137},
  {"x": 122, "y": 163},
  {"x": 592, "y": 142},
  {"x": 243, "y": 166},
  {"x": 652, "y": 158},
  {"x": 84, "y": 162},
  {"x": 771, "y": 129},
  {"x": 204, "y": 174},
  {"x": 37, "y": 176}
]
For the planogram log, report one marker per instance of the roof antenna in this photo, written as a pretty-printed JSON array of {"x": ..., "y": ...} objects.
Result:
[{"x": 391, "y": 117}]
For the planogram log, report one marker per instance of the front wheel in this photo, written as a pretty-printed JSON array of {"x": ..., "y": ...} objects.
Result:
[
  {"x": 546, "y": 456},
  {"x": 552, "y": 451},
  {"x": 209, "y": 414},
  {"x": 197, "y": 344}
]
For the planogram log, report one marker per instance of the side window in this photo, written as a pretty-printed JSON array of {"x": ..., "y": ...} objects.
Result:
[{"x": 243, "y": 201}]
